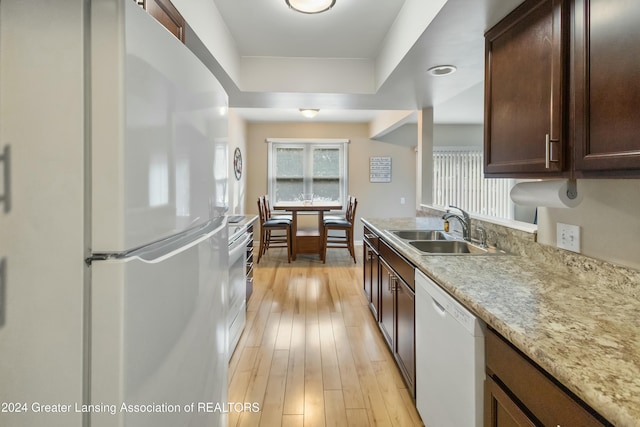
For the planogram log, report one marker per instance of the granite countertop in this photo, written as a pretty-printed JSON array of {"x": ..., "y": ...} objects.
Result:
[{"x": 582, "y": 330}]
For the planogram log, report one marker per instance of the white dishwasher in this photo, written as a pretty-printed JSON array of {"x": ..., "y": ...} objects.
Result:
[{"x": 449, "y": 359}]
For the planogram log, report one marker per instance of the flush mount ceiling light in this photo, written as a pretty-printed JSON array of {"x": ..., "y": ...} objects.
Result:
[
  {"x": 310, "y": 6},
  {"x": 442, "y": 70},
  {"x": 309, "y": 113}
]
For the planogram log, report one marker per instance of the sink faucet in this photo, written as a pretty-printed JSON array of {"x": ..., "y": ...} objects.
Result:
[{"x": 463, "y": 219}]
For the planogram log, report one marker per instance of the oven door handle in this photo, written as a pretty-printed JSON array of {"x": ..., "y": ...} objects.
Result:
[{"x": 238, "y": 248}]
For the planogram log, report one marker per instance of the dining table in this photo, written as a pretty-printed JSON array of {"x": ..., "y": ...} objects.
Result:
[{"x": 306, "y": 241}]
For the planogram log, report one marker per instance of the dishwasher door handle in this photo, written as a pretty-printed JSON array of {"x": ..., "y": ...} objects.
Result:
[{"x": 439, "y": 308}]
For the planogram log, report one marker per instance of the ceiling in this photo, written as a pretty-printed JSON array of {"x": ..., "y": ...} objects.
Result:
[
  {"x": 359, "y": 35},
  {"x": 272, "y": 29}
]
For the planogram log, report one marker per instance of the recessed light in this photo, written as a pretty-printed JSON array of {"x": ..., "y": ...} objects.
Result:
[
  {"x": 309, "y": 113},
  {"x": 310, "y": 6},
  {"x": 442, "y": 70}
]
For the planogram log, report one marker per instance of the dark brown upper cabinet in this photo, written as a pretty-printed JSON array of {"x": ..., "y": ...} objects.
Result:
[
  {"x": 165, "y": 13},
  {"x": 606, "y": 89},
  {"x": 525, "y": 101}
]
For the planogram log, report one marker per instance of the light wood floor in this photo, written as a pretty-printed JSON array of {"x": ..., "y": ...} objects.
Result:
[{"x": 311, "y": 353}]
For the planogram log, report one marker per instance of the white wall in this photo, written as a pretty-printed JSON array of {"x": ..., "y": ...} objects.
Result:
[
  {"x": 458, "y": 135},
  {"x": 374, "y": 199},
  {"x": 609, "y": 217},
  {"x": 413, "y": 19},
  {"x": 237, "y": 188},
  {"x": 321, "y": 75}
]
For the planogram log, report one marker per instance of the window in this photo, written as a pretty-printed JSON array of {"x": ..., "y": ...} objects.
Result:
[{"x": 302, "y": 167}]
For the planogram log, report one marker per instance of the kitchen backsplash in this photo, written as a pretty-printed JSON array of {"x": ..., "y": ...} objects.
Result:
[{"x": 624, "y": 279}]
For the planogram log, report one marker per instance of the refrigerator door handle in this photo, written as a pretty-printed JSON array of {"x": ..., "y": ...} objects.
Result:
[
  {"x": 3, "y": 292},
  {"x": 164, "y": 249},
  {"x": 5, "y": 197}
]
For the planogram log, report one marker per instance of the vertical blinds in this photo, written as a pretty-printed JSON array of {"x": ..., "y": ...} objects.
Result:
[{"x": 458, "y": 180}]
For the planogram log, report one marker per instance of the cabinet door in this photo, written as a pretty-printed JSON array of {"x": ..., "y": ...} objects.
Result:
[
  {"x": 371, "y": 284},
  {"x": 607, "y": 85},
  {"x": 405, "y": 332},
  {"x": 500, "y": 410},
  {"x": 386, "y": 314},
  {"x": 524, "y": 96},
  {"x": 366, "y": 273},
  {"x": 165, "y": 13},
  {"x": 375, "y": 285},
  {"x": 550, "y": 404}
]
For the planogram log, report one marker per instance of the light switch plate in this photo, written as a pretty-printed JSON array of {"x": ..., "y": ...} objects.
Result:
[{"x": 568, "y": 237}]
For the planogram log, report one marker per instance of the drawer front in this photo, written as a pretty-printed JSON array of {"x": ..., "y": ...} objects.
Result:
[
  {"x": 402, "y": 267},
  {"x": 372, "y": 239},
  {"x": 550, "y": 404}
]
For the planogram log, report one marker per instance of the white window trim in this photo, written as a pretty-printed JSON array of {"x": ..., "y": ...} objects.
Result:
[
  {"x": 308, "y": 140},
  {"x": 314, "y": 141}
]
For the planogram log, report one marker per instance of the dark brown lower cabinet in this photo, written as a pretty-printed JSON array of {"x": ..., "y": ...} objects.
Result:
[
  {"x": 389, "y": 288},
  {"x": 519, "y": 393},
  {"x": 374, "y": 306},
  {"x": 500, "y": 410},
  {"x": 371, "y": 272},
  {"x": 397, "y": 310},
  {"x": 387, "y": 312}
]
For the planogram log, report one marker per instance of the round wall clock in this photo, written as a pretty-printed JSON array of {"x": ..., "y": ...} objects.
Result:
[{"x": 237, "y": 163}]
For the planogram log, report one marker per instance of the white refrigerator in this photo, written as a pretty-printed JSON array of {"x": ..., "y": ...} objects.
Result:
[{"x": 113, "y": 240}]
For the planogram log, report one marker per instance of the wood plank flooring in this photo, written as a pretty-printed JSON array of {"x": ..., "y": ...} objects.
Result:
[{"x": 311, "y": 353}]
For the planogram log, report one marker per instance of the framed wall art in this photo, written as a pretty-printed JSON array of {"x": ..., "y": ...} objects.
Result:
[
  {"x": 237, "y": 163},
  {"x": 379, "y": 169}
]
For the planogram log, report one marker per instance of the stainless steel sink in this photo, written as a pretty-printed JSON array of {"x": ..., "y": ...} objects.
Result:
[
  {"x": 447, "y": 247},
  {"x": 421, "y": 234},
  {"x": 438, "y": 242}
]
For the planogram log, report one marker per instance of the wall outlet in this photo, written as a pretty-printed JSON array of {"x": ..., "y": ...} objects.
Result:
[
  {"x": 568, "y": 237},
  {"x": 402, "y": 200}
]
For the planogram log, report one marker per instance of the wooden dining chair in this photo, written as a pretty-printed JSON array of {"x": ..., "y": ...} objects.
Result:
[
  {"x": 339, "y": 215},
  {"x": 271, "y": 214},
  {"x": 345, "y": 229},
  {"x": 267, "y": 226}
]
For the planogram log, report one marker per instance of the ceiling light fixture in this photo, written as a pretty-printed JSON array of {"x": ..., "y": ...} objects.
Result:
[
  {"x": 309, "y": 113},
  {"x": 442, "y": 70},
  {"x": 310, "y": 6}
]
